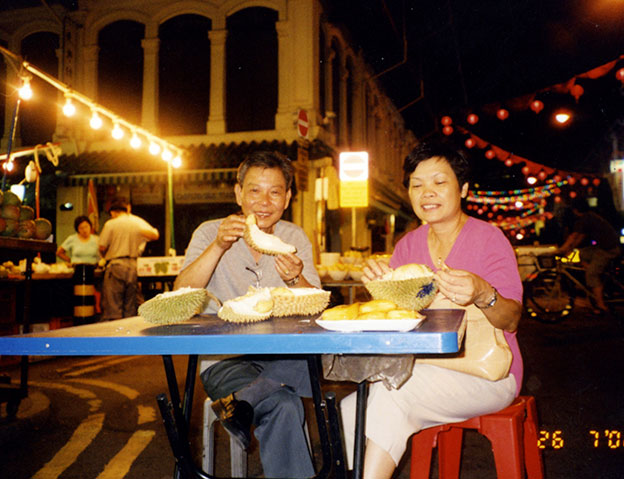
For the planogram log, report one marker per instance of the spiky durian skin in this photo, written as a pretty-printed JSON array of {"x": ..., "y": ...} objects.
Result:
[
  {"x": 174, "y": 307},
  {"x": 412, "y": 294},
  {"x": 299, "y": 301},
  {"x": 252, "y": 231}
]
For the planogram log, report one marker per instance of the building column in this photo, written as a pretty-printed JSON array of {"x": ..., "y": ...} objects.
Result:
[
  {"x": 10, "y": 100},
  {"x": 342, "y": 119},
  {"x": 284, "y": 114},
  {"x": 149, "y": 111},
  {"x": 216, "y": 117},
  {"x": 90, "y": 55}
]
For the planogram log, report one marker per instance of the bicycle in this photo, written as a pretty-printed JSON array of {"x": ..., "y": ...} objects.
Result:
[{"x": 550, "y": 290}]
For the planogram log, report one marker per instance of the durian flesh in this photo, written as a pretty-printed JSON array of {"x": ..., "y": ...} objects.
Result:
[
  {"x": 174, "y": 306},
  {"x": 411, "y": 287},
  {"x": 264, "y": 242},
  {"x": 256, "y": 305}
]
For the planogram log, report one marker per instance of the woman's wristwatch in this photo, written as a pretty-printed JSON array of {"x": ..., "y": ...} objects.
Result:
[{"x": 492, "y": 301}]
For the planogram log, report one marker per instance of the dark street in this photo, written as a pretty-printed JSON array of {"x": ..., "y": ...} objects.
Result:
[{"x": 97, "y": 417}]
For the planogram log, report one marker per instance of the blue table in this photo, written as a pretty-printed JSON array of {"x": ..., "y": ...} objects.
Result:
[{"x": 442, "y": 332}]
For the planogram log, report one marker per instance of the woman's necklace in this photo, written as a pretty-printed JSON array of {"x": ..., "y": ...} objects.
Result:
[{"x": 441, "y": 246}]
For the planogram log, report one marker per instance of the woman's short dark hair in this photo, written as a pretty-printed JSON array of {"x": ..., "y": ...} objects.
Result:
[
  {"x": 81, "y": 219},
  {"x": 427, "y": 150},
  {"x": 266, "y": 159}
]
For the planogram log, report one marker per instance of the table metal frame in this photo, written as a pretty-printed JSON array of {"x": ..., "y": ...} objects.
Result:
[{"x": 442, "y": 332}]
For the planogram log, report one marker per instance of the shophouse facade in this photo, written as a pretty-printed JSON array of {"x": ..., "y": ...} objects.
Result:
[{"x": 255, "y": 74}]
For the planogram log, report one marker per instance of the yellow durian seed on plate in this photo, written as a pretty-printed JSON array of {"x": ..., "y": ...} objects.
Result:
[
  {"x": 263, "y": 306},
  {"x": 342, "y": 312},
  {"x": 402, "y": 314},
  {"x": 381, "y": 305},
  {"x": 372, "y": 315}
]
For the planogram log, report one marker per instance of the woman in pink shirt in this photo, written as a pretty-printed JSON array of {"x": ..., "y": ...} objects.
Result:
[{"x": 475, "y": 268}]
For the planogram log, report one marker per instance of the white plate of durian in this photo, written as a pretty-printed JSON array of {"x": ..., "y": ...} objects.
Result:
[{"x": 375, "y": 315}]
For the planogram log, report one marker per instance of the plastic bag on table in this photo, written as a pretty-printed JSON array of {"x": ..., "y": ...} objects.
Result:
[{"x": 392, "y": 370}]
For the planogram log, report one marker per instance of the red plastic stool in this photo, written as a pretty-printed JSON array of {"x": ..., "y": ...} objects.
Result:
[{"x": 512, "y": 432}]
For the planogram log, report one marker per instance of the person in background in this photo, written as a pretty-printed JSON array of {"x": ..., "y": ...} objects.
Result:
[
  {"x": 483, "y": 281},
  {"x": 601, "y": 245},
  {"x": 120, "y": 243},
  {"x": 257, "y": 390},
  {"x": 81, "y": 247}
]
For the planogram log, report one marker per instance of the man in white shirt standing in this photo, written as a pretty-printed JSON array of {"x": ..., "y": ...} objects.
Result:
[{"x": 120, "y": 243}]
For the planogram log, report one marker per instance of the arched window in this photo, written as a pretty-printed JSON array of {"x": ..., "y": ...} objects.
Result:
[
  {"x": 38, "y": 115},
  {"x": 251, "y": 70},
  {"x": 120, "y": 68},
  {"x": 184, "y": 75}
]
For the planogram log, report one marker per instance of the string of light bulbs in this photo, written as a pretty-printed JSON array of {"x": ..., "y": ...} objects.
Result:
[{"x": 156, "y": 146}]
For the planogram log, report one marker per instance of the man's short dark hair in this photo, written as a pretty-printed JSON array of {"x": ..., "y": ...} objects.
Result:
[
  {"x": 266, "y": 159},
  {"x": 118, "y": 204}
]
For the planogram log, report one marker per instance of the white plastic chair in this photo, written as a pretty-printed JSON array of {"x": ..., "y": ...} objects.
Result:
[{"x": 238, "y": 456}]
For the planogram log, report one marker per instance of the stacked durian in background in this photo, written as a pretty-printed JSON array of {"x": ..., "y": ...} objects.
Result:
[{"x": 18, "y": 220}]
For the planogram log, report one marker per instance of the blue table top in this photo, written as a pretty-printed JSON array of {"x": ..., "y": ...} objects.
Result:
[{"x": 441, "y": 332}]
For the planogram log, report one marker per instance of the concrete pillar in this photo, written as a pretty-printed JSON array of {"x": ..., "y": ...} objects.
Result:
[
  {"x": 284, "y": 114},
  {"x": 216, "y": 118},
  {"x": 90, "y": 55},
  {"x": 149, "y": 112}
]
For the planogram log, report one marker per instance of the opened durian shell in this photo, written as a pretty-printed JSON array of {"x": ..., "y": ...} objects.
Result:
[
  {"x": 298, "y": 301},
  {"x": 254, "y": 306},
  {"x": 410, "y": 287},
  {"x": 264, "y": 242},
  {"x": 175, "y": 306}
]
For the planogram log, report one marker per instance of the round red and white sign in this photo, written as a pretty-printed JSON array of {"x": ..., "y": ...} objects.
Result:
[{"x": 302, "y": 123}]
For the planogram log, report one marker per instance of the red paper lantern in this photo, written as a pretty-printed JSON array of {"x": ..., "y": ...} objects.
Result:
[
  {"x": 620, "y": 74},
  {"x": 537, "y": 106},
  {"x": 571, "y": 180},
  {"x": 469, "y": 143},
  {"x": 584, "y": 181},
  {"x": 596, "y": 181},
  {"x": 525, "y": 170},
  {"x": 508, "y": 162},
  {"x": 489, "y": 154},
  {"x": 480, "y": 211},
  {"x": 557, "y": 199},
  {"x": 447, "y": 130},
  {"x": 576, "y": 91},
  {"x": 502, "y": 114},
  {"x": 446, "y": 120},
  {"x": 472, "y": 118},
  {"x": 557, "y": 178},
  {"x": 542, "y": 175},
  {"x": 572, "y": 194}
]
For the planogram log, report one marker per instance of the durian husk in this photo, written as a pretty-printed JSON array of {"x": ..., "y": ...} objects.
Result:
[
  {"x": 412, "y": 294},
  {"x": 264, "y": 242},
  {"x": 299, "y": 301},
  {"x": 175, "y": 306},
  {"x": 254, "y": 306}
]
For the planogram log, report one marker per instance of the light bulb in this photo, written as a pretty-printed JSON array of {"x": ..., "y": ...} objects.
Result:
[
  {"x": 177, "y": 162},
  {"x": 154, "y": 148},
  {"x": 167, "y": 155},
  {"x": 25, "y": 92},
  {"x": 8, "y": 165},
  {"x": 117, "y": 132},
  {"x": 69, "y": 109},
  {"x": 135, "y": 141},
  {"x": 96, "y": 121}
]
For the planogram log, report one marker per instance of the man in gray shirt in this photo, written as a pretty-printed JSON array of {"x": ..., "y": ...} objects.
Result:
[{"x": 261, "y": 390}]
